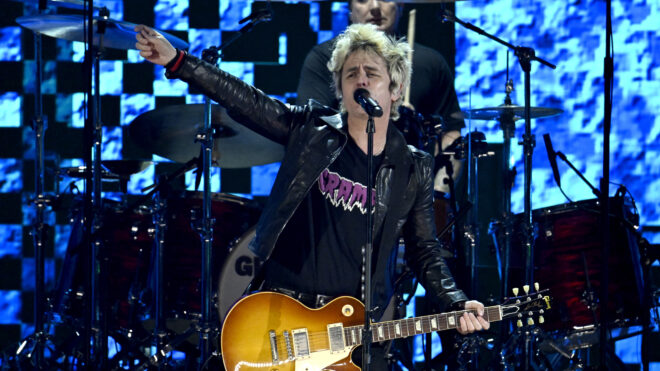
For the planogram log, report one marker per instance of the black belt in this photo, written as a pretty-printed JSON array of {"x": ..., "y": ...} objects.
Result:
[{"x": 310, "y": 300}]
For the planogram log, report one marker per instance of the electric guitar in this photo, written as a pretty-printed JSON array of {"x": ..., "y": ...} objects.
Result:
[{"x": 271, "y": 331}]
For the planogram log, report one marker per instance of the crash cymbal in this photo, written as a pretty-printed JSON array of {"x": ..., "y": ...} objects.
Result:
[
  {"x": 111, "y": 169},
  {"x": 118, "y": 34},
  {"x": 70, "y": 4},
  {"x": 170, "y": 132},
  {"x": 518, "y": 112},
  {"x": 125, "y": 167}
]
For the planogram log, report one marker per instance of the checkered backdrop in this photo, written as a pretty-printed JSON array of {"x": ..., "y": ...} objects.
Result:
[{"x": 569, "y": 34}]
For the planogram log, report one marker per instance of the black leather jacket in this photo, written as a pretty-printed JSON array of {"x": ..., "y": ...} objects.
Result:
[{"x": 314, "y": 136}]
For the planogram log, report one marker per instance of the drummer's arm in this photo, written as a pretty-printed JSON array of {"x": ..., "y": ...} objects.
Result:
[{"x": 457, "y": 165}]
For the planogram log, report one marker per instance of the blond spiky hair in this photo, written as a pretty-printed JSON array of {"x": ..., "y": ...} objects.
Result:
[{"x": 368, "y": 38}]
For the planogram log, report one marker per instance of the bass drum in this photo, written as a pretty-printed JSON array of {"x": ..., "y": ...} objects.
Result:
[{"x": 237, "y": 272}]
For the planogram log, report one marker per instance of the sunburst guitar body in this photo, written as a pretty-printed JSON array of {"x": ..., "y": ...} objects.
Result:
[{"x": 268, "y": 331}]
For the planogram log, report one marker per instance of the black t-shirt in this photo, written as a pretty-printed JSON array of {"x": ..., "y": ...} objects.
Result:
[
  {"x": 325, "y": 256},
  {"x": 431, "y": 91}
]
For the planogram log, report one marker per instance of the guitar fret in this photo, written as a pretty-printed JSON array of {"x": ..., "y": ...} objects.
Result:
[{"x": 406, "y": 327}]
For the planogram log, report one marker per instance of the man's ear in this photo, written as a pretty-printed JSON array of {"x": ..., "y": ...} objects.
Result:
[{"x": 397, "y": 92}]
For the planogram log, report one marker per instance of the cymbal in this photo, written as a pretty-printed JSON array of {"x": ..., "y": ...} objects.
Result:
[
  {"x": 518, "y": 112},
  {"x": 170, "y": 132},
  {"x": 118, "y": 34},
  {"x": 112, "y": 169},
  {"x": 71, "y": 4}
]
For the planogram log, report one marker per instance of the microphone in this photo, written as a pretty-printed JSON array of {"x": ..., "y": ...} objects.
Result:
[
  {"x": 368, "y": 104},
  {"x": 552, "y": 156}
]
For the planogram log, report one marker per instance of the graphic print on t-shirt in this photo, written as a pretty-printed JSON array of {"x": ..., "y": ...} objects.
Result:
[{"x": 343, "y": 192}]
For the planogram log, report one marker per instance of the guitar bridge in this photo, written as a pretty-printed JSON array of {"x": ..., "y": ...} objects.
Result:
[
  {"x": 287, "y": 342},
  {"x": 273, "y": 347}
]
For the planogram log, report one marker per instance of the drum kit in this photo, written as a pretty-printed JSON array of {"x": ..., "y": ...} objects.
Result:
[
  {"x": 151, "y": 284},
  {"x": 151, "y": 293}
]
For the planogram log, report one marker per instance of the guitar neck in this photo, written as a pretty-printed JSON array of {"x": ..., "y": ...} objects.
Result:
[{"x": 389, "y": 330}]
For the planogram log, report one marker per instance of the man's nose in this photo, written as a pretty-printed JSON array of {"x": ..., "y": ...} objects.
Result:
[
  {"x": 362, "y": 79},
  {"x": 374, "y": 6}
]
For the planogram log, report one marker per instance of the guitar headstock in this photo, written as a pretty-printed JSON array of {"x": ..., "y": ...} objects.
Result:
[{"x": 524, "y": 307}]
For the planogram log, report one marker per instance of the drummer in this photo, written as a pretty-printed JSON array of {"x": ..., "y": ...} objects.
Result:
[{"x": 432, "y": 86}]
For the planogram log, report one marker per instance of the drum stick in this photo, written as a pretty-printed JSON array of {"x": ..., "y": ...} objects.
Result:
[{"x": 411, "y": 41}]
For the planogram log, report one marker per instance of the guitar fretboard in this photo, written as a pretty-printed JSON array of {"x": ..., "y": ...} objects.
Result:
[{"x": 389, "y": 330}]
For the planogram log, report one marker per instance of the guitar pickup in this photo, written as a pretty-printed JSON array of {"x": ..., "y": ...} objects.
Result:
[
  {"x": 336, "y": 337},
  {"x": 300, "y": 343}
]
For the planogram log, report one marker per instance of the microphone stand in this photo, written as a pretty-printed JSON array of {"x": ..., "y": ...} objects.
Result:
[
  {"x": 525, "y": 56},
  {"x": 608, "y": 67},
  {"x": 366, "y": 331}
]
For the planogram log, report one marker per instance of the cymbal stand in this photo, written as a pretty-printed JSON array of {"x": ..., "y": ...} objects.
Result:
[
  {"x": 41, "y": 201},
  {"x": 508, "y": 131},
  {"x": 158, "y": 192},
  {"x": 208, "y": 331},
  {"x": 525, "y": 56},
  {"x": 96, "y": 329}
]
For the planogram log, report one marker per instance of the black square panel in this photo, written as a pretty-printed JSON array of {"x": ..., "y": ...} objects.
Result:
[
  {"x": 11, "y": 76},
  {"x": 11, "y": 269},
  {"x": 204, "y": 14}
]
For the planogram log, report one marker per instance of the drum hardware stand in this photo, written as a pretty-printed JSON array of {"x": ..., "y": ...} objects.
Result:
[
  {"x": 38, "y": 340},
  {"x": 207, "y": 331},
  {"x": 158, "y": 192},
  {"x": 508, "y": 131},
  {"x": 160, "y": 224},
  {"x": 525, "y": 56}
]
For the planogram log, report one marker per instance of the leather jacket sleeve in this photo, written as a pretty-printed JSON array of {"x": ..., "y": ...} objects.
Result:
[
  {"x": 422, "y": 247},
  {"x": 244, "y": 103}
]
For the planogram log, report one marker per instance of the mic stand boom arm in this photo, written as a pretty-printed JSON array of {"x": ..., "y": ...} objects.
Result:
[{"x": 563, "y": 158}]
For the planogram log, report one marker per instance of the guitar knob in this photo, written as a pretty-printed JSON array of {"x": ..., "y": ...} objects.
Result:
[
  {"x": 526, "y": 289},
  {"x": 541, "y": 319},
  {"x": 530, "y": 321},
  {"x": 519, "y": 323},
  {"x": 515, "y": 291},
  {"x": 536, "y": 286}
]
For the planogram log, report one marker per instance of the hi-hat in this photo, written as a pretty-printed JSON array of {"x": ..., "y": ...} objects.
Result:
[
  {"x": 112, "y": 169},
  {"x": 517, "y": 112},
  {"x": 170, "y": 132},
  {"x": 118, "y": 34}
]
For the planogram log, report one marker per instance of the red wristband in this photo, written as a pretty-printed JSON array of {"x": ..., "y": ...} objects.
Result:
[{"x": 178, "y": 62}]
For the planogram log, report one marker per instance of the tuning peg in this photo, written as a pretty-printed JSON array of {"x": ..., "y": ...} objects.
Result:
[
  {"x": 515, "y": 291},
  {"x": 530, "y": 321},
  {"x": 526, "y": 289},
  {"x": 519, "y": 323},
  {"x": 536, "y": 286},
  {"x": 541, "y": 319}
]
